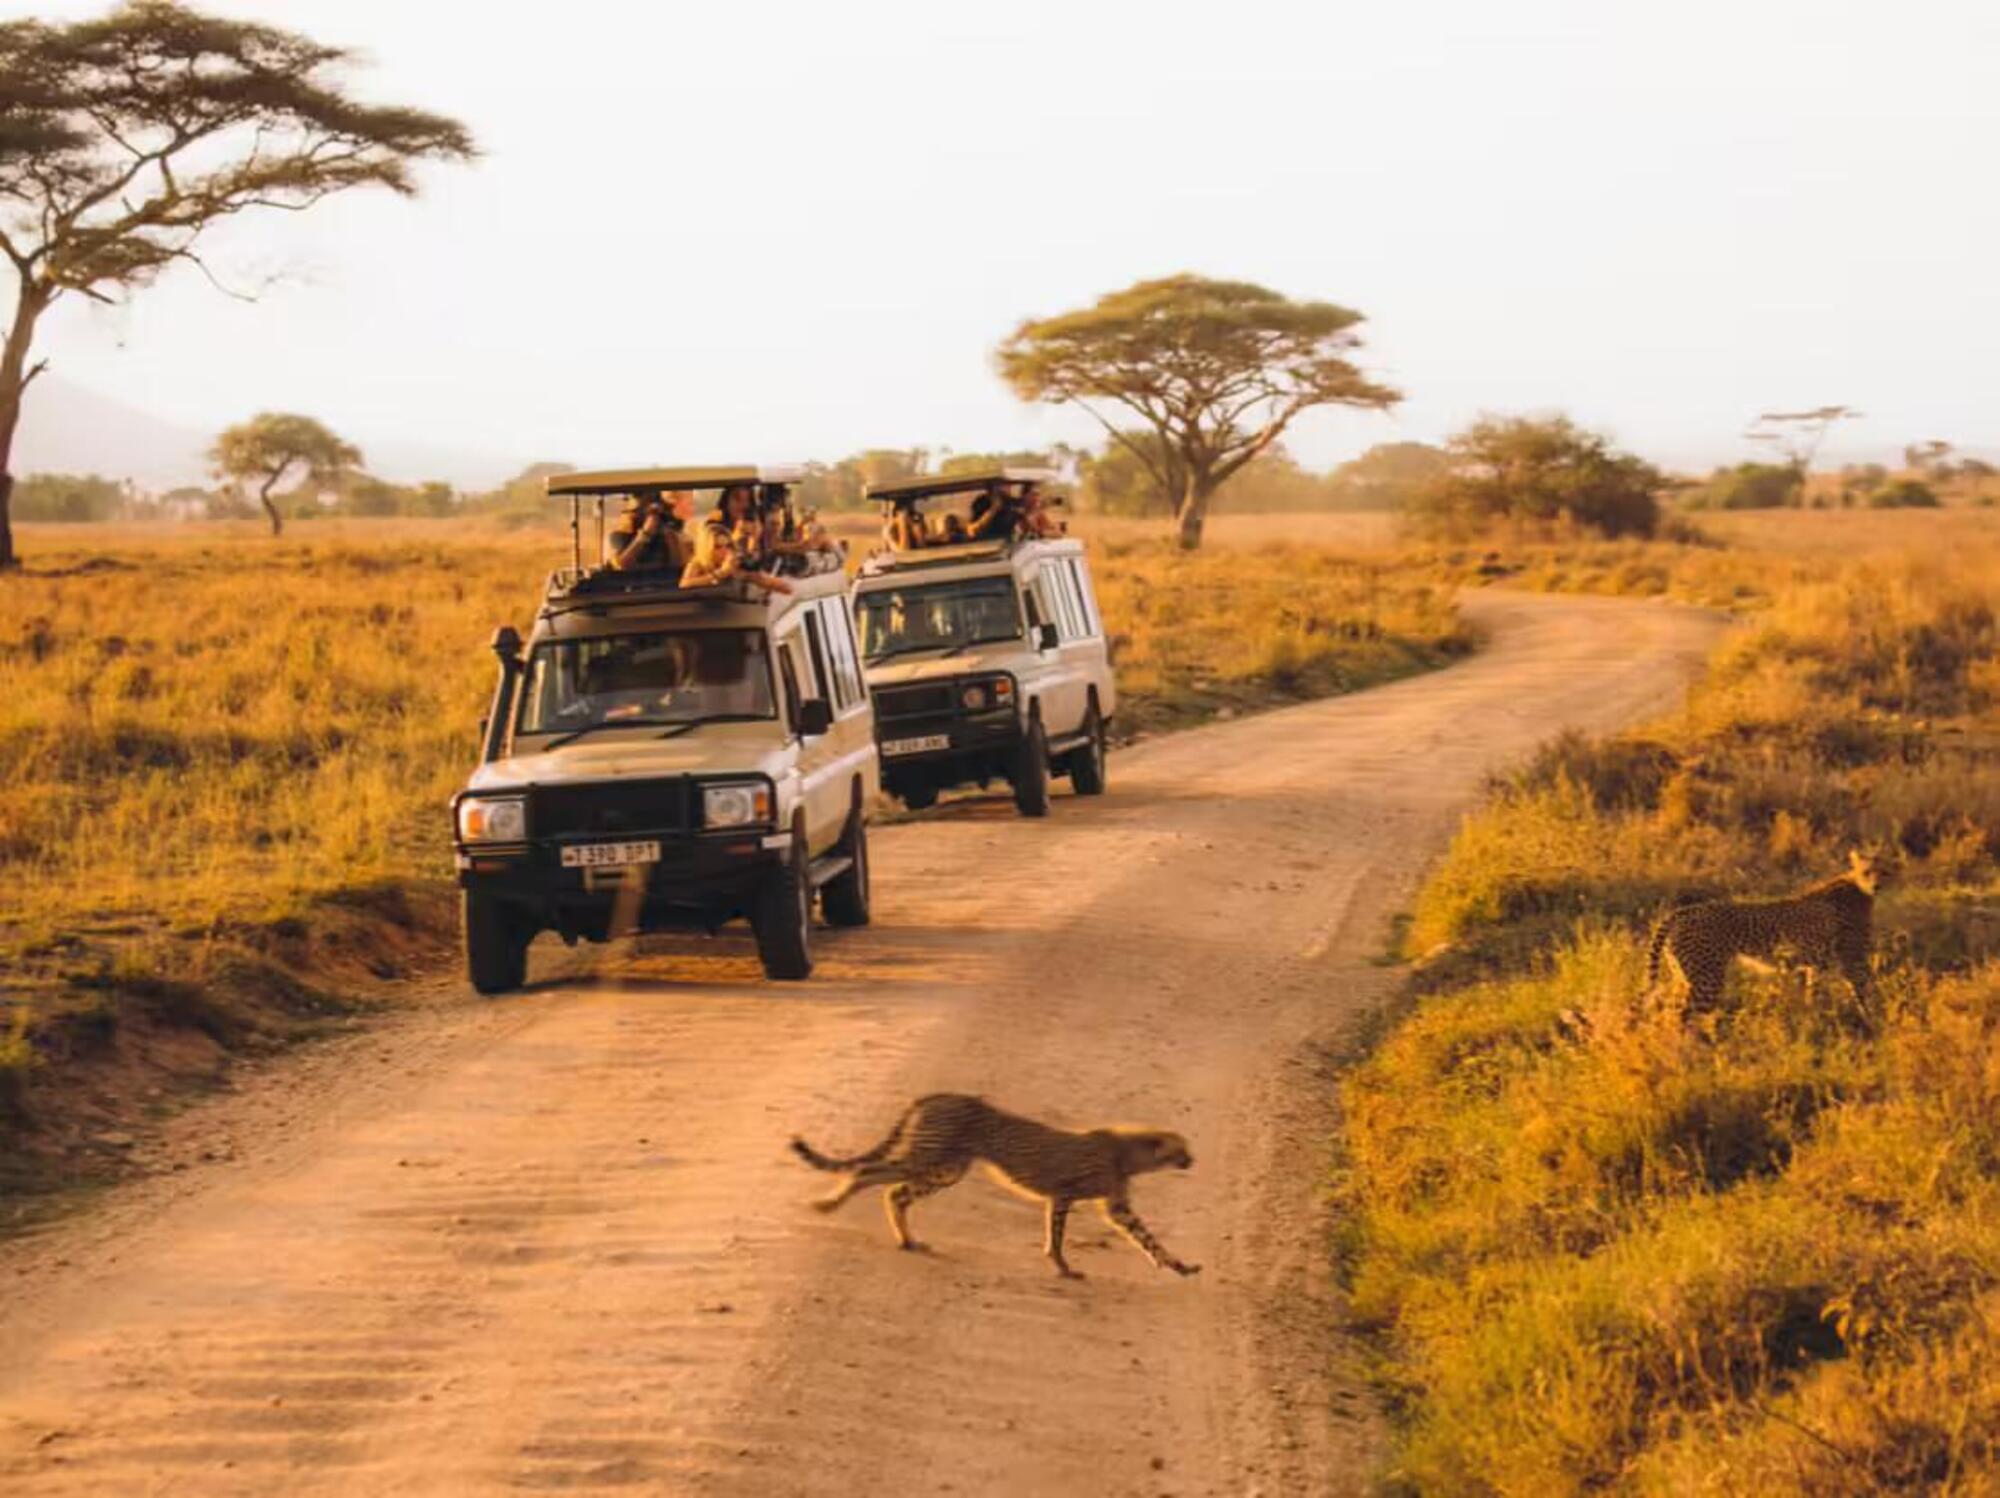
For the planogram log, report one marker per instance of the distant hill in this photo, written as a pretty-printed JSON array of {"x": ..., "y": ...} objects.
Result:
[
  {"x": 69, "y": 428},
  {"x": 66, "y": 428}
]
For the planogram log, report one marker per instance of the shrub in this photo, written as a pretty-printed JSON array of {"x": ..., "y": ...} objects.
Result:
[
  {"x": 1904, "y": 494},
  {"x": 1749, "y": 486},
  {"x": 1543, "y": 471}
]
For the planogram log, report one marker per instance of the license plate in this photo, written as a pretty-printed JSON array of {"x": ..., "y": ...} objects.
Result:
[
  {"x": 609, "y": 855},
  {"x": 917, "y": 746}
]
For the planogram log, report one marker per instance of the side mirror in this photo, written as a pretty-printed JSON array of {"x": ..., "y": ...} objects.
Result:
[
  {"x": 1045, "y": 637},
  {"x": 815, "y": 717}
]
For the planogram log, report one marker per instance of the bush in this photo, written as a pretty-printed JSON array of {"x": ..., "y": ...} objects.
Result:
[
  {"x": 1542, "y": 471},
  {"x": 1748, "y": 486},
  {"x": 1904, "y": 494}
]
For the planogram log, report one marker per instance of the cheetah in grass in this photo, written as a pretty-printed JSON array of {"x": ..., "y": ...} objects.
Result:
[
  {"x": 940, "y": 1137},
  {"x": 1826, "y": 925}
]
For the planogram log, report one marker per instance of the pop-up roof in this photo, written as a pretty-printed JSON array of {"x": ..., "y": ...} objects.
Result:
[
  {"x": 648, "y": 480},
  {"x": 926, "y": 485}
]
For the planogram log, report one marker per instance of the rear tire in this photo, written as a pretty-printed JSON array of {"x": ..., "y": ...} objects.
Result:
[
  {"x": 782, "y": 918},
  {"x": 1031, "y": 772},
  {"x": 844, "y": 899},
  {"x": 496, "y": 948},
  {"x": 1087, "y": 765},
  {"x": 920, "y": 798}
]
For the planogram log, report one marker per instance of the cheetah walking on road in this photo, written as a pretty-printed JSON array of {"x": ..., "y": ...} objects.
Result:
[
  {"x": 1829, "y": 924},
  {"x": 941, "y": 1136}
]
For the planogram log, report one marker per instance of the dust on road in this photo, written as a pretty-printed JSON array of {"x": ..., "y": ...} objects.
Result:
[{"x": 557, "y": 1242}]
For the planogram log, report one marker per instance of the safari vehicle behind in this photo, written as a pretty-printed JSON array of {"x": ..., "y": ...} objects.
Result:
[
  {"x": 662, "y": 757},
  {"x": 987, "y": 659}
]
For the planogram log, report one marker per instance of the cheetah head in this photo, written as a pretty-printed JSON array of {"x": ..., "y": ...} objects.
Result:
[
  {"x": 1865, "y": 869},
  {"x": 1157, "y": 1150}
]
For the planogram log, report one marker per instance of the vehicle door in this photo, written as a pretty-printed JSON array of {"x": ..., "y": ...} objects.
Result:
[
  {"x": 850, "y": 753},
  {"x": 1093, "y": 647},
  {"x": 815, "y": 752},
  {"x": 1064, "y": 683}
]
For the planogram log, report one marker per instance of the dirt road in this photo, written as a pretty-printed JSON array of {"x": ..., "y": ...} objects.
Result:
[{"x": 556, "y": 1242}]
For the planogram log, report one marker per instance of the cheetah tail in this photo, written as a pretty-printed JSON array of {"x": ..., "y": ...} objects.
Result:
[
  {"x": 818, "y": 1161},
  {"x": 1654, "y": 952}
]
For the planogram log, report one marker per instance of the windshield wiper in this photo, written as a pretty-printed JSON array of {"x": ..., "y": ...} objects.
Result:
[
  {"x": 689, "y": 723},
  {"x": 674, "y": 726},
  {"x": 966, "y": 645},
  {"x": 906, "y": 650}
]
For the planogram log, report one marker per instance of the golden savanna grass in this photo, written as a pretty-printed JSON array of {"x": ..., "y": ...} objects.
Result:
[
  {"x": 1605, "y": 1254},
  {"x": 219, "y": 746}
]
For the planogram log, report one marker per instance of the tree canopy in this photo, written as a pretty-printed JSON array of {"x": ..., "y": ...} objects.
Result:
[
  {"x": 124, "y": 139},
  {"x": 1214, "y": 370},
  {"x": 274, "y": 445},
  {"x": 1543, "y": 470}
]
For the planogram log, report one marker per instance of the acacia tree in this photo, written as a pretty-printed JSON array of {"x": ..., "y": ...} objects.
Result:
[
  {"x": 123, "y": 139},
  {"x": 271, "y": 445},
  {"x": 1216, "y": 370},
  {"x": 1798, "y": 434}
]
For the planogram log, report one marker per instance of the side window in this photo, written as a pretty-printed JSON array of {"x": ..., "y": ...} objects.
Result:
[
  {"x": 1086, "y": 606},
  {"x": 840, "y": 645},
  {"x": 1031, "y": 600},
  {"x": 827, "y": 686},
  {"x": 788, "y": 677},
  {"x": 1063, "y": 596},
  {"x": 1049, "y": 595}
]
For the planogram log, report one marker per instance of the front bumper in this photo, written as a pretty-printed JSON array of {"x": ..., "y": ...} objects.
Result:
[
  {"x": 700, "y": 881},
  {"x": 978, "y": 746}
]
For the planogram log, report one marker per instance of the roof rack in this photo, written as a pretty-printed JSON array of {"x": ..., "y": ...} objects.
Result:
[
  {"x": 926, "y": 484},
  {"x": 641, "y": 480}
]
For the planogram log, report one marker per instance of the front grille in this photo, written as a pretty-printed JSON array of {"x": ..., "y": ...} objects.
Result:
[
  {"x": 612, "y": 806},
  {"x": 914, "y": 702}
]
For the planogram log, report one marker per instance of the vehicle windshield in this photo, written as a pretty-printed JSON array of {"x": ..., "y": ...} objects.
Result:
[
  {"x": 672, "y": 676},
  {"x": 896, "y": 620}
]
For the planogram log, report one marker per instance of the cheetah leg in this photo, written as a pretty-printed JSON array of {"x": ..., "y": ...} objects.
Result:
[
  {"x": 1704, "y": 988},
  {"x": 897, "y": 1199},
  {"x": 1127, "y": 1222},
  {"x": 859, "y": 1180},
  {"x": 1052, "y": 1240}
]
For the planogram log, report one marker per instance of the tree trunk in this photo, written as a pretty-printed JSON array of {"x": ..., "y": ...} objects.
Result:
[
  {"x": 270, "y": 508},
  {"x": 1192, "y": 513},
  {"x": 14, "y": 377}
]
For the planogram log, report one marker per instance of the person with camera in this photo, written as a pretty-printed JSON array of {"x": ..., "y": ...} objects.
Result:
[{"x": 648, "y": 535}]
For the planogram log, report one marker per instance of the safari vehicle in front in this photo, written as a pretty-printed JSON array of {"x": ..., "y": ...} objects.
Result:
[
  {"x": 662, "y": 757},
  {"x": 987, "y": 658}
]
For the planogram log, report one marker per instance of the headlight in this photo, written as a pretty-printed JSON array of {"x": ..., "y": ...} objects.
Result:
[
  {"x": 481, "y": 820},
  {"x": 995, "y": 691},
  {"x": 735, "y": 805}
]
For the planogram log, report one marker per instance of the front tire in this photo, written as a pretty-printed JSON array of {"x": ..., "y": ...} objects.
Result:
[
  {"x": 1031, "y": 772},
  {"x": 920, "y": 797},
  {"x": 844, "y": 899},
  {"x": 1087, "y": 765},
  {"x": 496, "y": 946},
  {"x": 782, "y": 918}
]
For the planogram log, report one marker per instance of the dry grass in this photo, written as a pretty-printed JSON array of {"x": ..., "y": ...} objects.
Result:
[
  {"x": 1605, "y": 1254},
  {"x": 228, "y": 758}
]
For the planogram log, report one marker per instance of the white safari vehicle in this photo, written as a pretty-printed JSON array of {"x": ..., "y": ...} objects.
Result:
[
  {"x": 659, "y": 756},
  {"x": 986, "y": 658}
]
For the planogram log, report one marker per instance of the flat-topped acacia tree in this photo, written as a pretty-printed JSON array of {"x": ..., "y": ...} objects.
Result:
[
  {"x": 274, "y": 444},
  {"x": 123, "y": 139},
  {"x": 1215, "y": 369}
]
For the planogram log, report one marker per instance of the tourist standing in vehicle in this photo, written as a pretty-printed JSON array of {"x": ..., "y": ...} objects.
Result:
[
  {"x": 648, "y": 535},
  {"x": 717, "y": 558}
]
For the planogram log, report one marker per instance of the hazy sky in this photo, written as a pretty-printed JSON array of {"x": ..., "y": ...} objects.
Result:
[{"x": 768, "y": 231}]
